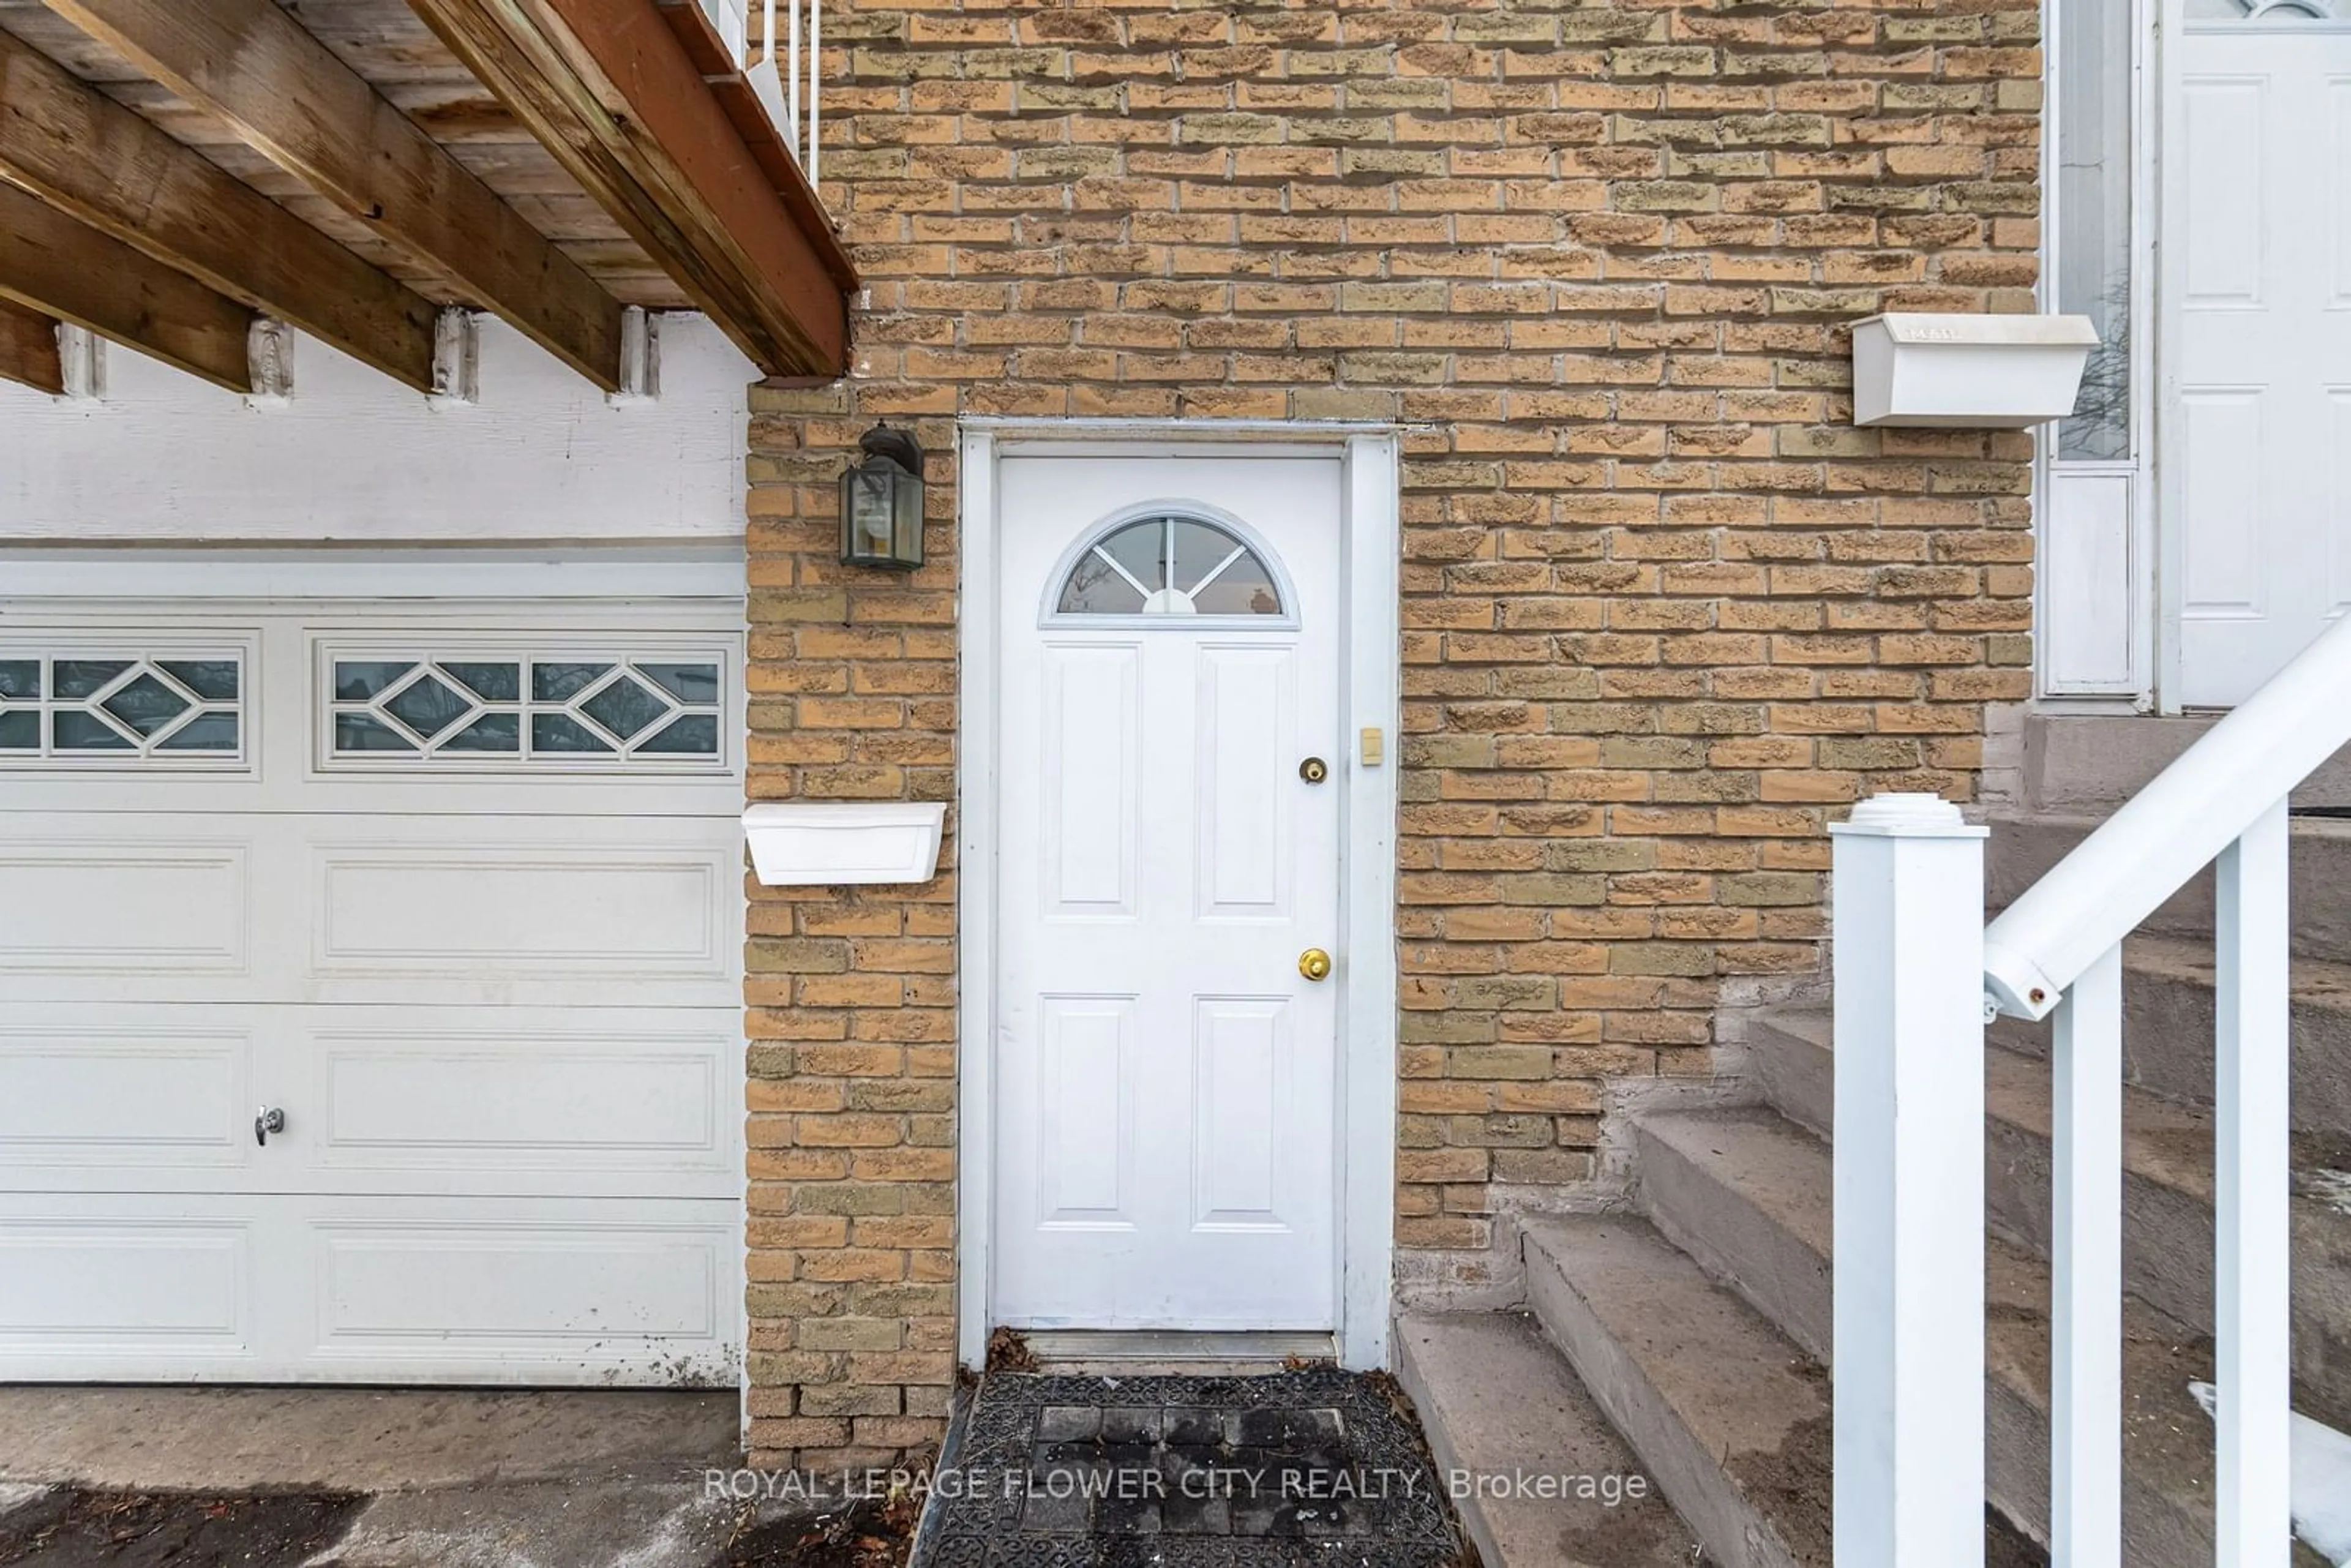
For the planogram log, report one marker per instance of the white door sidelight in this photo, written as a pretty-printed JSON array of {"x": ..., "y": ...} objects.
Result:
[
  {"x": 1168, "y": 821},
  {"x": 370, "y": 991}
]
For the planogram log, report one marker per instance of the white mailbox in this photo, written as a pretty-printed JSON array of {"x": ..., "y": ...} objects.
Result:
[
  {"x": 1968, "y": 373},
  {"x": 818, "y": 843}
]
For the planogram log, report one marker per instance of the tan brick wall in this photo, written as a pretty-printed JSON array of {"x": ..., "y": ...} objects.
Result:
[{"x": 1666, "y": 611}]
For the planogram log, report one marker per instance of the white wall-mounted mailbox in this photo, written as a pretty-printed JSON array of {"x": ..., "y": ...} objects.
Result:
[
  {"x": 816, "y": 843},
  {"x": 1968, "y": 373}
]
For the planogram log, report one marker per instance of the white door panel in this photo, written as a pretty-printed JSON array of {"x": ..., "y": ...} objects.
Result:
[
  {"x": 495, "y": 989},
  {"x": 147, "y": 1096},
  {"x": 293, "y": 906},
  {"x": 2263, "y": 372},
  {"x": 323, "y": 1288},
  {"x": 606, "y": 908},
  {"x": 88, "y": 1279},
  {"x": 595, "y": 1099},
  {"x": 104, "y": 1089},
  {"x": 80, "y": 899},
  {"x": 1165, "y": 1154}
]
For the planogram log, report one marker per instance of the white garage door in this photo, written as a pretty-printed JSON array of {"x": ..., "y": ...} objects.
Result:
[{"x": 456, "y": 888}]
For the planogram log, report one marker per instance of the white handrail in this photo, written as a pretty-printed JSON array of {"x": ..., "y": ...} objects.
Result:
[
  {"x": 2170, "y": 830},
  {"x": 1908, "y": 1197}
]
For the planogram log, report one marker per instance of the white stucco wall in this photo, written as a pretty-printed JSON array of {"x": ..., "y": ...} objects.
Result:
[{"x": 355, "y": 456}]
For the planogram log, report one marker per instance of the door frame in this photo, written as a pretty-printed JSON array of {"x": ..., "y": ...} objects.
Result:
[{"x": 1370, "y": 663}]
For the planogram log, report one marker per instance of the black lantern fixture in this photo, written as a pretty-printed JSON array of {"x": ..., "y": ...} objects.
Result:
[{"x": 882, "y": 502}]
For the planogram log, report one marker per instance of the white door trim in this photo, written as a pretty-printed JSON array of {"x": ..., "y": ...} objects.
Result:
[
  {"x": 1370, "y": 551},
  {"x": 2165, "y": 274}
]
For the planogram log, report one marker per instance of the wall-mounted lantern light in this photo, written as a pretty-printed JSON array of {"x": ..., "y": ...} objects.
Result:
[{"x": 882, "y": 502}]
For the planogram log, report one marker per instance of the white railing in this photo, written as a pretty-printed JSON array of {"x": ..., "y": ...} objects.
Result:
[
  {"x": 1918, "y": 975},
  {"x": 774, "y": 67}
]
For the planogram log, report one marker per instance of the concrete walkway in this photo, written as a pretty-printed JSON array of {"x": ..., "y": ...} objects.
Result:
[
  {"x": 446, "y": 1478},
  {"x": 357, "y": 1439}
]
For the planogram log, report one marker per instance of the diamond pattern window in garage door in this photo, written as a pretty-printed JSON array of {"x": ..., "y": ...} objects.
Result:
[
  {"x": 110, "y": 707},
  {"x": 526, "y": 709}
]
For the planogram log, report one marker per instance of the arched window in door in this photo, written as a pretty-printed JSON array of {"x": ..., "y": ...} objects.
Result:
[{"x": 1169, "y": 564}]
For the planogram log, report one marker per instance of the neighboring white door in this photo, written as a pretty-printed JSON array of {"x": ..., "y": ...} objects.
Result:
[
  {"x": 2262, "y": 435},
  {"x": 457, "y": 889},
  {"x": 1165, "y": 1074}
]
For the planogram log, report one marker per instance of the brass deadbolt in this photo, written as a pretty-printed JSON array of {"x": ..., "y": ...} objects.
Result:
[{"x": 1314, "y": 770}]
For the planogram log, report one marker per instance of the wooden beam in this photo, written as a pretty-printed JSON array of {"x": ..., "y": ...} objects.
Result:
[
  {"x": 28, "y": 350},
  {"x": 623, "y": 39},
  {"x": 77, "y": 148},
  {"x": 251, "y": 64},
  {"x": 748, "y": 112},
  {"x": 54, "y": 263},
  {"x": 607, "y": 89}
]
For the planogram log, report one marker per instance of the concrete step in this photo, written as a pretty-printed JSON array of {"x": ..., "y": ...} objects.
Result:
[
  {"x": 2166, "y": 1195},
  {"x": 2167, "y": 1232},
  {"x": 1537, "y": 1463},
  {"x": 1727, "y": 1415},
  {"x": 2168, "y": 992},
  {"x": 1746, "y": 1194},
  {"x": 1730, "y": 1419},
  {"x": 2024, "y": 847},
  {"x": 1788, "y": 1052},
  {"x": 2094, "y": 762}
]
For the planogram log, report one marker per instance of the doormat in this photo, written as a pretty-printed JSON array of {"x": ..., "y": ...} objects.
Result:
[{"x": 1313, "y": 1468}]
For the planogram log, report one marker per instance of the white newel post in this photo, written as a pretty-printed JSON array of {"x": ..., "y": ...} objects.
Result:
[
  {"x": 1909, "y": 1151},
  {"x": 2252, "y": 1314}
]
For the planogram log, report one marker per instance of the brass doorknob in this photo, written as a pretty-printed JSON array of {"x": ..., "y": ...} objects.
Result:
[{"x": 1315, "y": 964}]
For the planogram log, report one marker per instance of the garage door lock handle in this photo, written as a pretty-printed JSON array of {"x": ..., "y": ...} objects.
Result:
[{"x": 272, "y": 1119}]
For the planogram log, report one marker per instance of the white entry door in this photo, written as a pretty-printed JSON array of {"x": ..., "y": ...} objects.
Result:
[
  {"x": 2263, "y": 496},
  {"x": 1167, "y": 851},
  {"x": 453, "y": 888}
]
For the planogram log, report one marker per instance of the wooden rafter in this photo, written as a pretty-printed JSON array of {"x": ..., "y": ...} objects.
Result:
[
  {"x": 609, "y": 89},
  {"x": 28, "y": 349},
  {"x": 79, "y": 149},
  {"x": 251, "y": 64},
  {"x": 54, "y": 263}
]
